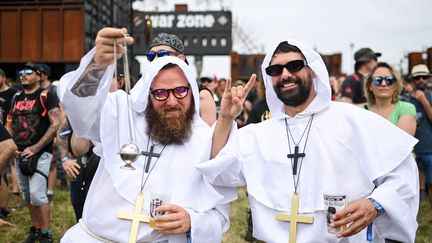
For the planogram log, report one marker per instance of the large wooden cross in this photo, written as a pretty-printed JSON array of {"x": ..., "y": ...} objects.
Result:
[
  {"x": 294, "y": 218},
  {"x": 136, "y": 217},
  {"x": 149, "y": 155},
  {"x": 296, "y": 155}
]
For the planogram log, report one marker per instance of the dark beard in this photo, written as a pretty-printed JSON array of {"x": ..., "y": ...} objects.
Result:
[
  {"x": 29, "y": 86},
  {"x": 170, "y": 130},
  {"x": 421, "y": 86},
  {"x": 297, "y": 96}
]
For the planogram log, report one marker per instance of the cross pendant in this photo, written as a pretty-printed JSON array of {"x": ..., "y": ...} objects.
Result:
[
  {"x": 294, "y": 218},
  {"x": 136, "y": 217},
  {"x": 296, "y": 155},
  {"x": 149, "y": 155}
]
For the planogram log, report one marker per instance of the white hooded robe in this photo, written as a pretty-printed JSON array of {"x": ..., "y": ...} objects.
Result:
[
  {"x": 350, "y": 151},
  {"x": 114, "y": 189}
]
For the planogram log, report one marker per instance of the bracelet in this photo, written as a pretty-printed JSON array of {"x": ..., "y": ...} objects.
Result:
[
  {"x": 378, "y": 206},
  {"x": 64, "y": 159}
]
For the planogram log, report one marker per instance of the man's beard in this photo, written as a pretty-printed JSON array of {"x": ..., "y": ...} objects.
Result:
[
  {"x": 169, "y": 129},
  {"x": 29, "y": 86},
  {"x": 296, "y": 96},
  {"x": 421, "y": 86}
]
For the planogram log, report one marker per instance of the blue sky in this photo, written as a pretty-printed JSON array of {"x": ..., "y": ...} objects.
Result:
[{"x": 392, "y": 27}]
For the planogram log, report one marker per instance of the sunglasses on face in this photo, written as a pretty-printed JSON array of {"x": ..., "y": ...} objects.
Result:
[
  {"x": 292, "y": 67},
  {"x": 151, "y": 55},
  {"x": 163, "y": 94},
  {"x": 25, "y": 71},
  {"x": 206, "y": 80},
  {"x": 389, "y": 80},
  {"x": 420, "y": 77}
]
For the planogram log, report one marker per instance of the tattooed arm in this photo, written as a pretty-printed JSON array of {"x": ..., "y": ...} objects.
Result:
[
  {"x": 89, "y": 81},
  {"x": 54, "y": 118},
  {"x": 106, "y": 38},
  {"x": 70, "y": 165}
]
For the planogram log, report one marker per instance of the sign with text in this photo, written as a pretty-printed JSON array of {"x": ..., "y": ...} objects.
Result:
[{"x": 202, "y": 33}]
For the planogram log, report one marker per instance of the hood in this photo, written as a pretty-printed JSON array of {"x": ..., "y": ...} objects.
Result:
[
  {"x": 321, "y": 83},
  {"x": 140, "y": 92}
]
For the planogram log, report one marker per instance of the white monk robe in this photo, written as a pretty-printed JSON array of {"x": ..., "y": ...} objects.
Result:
[
  {"x": 349, "y": 151},
  {"x": 114, "y": 189}
]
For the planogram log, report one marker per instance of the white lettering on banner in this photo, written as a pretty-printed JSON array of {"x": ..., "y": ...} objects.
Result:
[
  {"x": 183, "y": 21},
  {"x": 195, "y": 21},
  {"x": 162, "y": 21}
]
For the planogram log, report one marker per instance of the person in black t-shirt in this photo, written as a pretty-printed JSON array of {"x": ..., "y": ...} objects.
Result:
[
  {"x": 6, "y": 94},
  {"x": 352, "y": 87},
  {"x": 33, "y": 122}
]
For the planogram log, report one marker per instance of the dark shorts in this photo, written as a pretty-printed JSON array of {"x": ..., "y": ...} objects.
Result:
[{"x": 424, "y": 163}]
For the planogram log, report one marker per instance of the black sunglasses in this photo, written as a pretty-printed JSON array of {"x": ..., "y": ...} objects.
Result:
[
  {"x": 163, "y": 94},
  {"x": 420, "y": 77},
  {"x": 292, "y": 67},
  {"x": 151, "y": 55},
  {"x": 389, "y": 80}
]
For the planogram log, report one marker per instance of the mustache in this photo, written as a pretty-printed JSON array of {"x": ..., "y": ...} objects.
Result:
[
  {"x": 290, "y": 80},
  {"x": 172, "y": 108}
]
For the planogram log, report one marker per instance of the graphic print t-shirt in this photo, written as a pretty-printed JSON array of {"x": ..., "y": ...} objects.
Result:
[{"x": 28, "y": 123}]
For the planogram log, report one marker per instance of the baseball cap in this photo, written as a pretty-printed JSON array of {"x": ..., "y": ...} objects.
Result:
[
  {"x": 168, "y": 40},
  {"x": 365, "y": 55},
  {"x": 44, "y": 68},
  {"x": 29, "y": 65}
]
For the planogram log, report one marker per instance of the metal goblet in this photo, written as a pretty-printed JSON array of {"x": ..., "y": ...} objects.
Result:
[{"x": 129, "y": 153}]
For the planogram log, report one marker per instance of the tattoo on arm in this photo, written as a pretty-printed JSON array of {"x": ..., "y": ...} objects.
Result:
[
  {"x": 63, "y": 140},
  {"x": 89, "y": 81},
  {"x": 54, "y": 117}
]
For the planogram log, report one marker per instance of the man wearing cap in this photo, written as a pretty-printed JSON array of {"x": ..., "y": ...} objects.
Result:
[
  {"x": 421, "y": 97},
  {"x": 45, "y": 83},
  {"x": 352, "y": 87},
  {"x": 165, "y": 44},
  {"x": 33, "y": 121}
]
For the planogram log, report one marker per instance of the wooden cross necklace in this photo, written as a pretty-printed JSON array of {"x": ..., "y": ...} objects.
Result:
[
  {"x": 294, "y": 217},
  {"x": 136, "y": 217}
]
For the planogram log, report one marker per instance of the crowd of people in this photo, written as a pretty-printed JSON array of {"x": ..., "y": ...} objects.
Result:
[{"x": 290, "y": 135}]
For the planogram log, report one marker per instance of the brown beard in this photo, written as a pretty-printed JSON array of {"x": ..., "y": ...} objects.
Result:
[{"x": 168, "y": 129}]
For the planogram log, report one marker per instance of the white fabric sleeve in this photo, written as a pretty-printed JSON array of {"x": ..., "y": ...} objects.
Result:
[
  {"x": 225, "y": 168},
  {"x": 397, "y": 192},
  {"x": 209, "y": 226},
  {"x": 84, "y": 112}
]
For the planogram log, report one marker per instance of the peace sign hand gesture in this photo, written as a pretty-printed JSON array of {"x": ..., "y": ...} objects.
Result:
[{"x": 233, "y": 98}]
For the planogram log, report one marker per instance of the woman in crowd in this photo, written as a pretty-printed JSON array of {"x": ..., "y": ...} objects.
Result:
[{"x": 383, "y": 87}]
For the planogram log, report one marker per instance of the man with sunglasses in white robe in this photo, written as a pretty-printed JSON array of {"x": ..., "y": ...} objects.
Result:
[
  {"x": 313, "y": 147},
  {"x": 165, "y": 98}
]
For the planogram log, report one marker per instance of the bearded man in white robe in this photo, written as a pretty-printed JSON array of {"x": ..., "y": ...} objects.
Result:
[
  {"x": 163, "y": 119},
  {"x": 311, "y": 147}
]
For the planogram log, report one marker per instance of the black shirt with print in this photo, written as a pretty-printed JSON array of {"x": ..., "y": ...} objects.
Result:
[{"x": 28, "y": 121}]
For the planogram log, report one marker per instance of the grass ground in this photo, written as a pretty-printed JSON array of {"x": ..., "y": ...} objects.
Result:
[{"x": 63, "y": 218}]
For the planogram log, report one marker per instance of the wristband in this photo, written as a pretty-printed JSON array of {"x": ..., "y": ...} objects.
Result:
[
  {"x": 378, "y": 206},
  {"x": 64, "y": 159}
]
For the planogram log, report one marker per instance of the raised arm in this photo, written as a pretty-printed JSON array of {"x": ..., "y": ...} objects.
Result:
[
  {"x": 83, "y": 92},
  {"x": 231, "y": 106}
]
